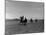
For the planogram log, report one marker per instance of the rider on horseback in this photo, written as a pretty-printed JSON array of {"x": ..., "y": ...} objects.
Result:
[{"x": 23, "y": 21}]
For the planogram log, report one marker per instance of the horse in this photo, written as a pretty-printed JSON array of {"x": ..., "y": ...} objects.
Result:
[
  {"x": 36, "y": 20},
  {"x": 31, "y": 20},
  {"x": 23, "y": 21}
]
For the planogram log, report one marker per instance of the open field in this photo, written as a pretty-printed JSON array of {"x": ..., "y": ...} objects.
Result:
[{"x": 14, "y": 27}]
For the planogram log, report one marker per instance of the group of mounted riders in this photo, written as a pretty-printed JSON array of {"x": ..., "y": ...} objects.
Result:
[{"x": 24, "y": 21}]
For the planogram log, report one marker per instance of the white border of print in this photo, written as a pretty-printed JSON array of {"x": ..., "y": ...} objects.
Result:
[
  {"x": 2, "y": 17},
  {"x": 2, "y": 24}
]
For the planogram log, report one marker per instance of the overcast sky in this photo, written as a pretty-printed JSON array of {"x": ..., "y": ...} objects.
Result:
[{"x": 15, "y": 9}]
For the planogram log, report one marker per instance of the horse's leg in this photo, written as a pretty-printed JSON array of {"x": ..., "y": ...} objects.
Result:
[
  {"x": 25, "y": 23},
  {"x": 20, "y": 21}
]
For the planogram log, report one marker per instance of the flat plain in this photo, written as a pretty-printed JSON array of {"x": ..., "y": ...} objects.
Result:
[{"x": 14, "y": 27}]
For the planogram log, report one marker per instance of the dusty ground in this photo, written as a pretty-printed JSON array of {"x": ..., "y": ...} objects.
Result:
[{"x": 13, "y": 27}]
